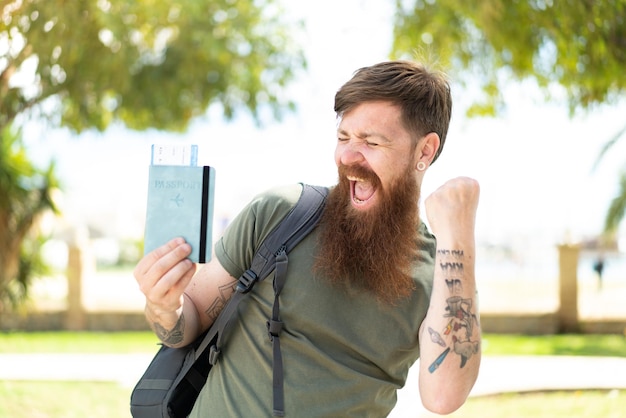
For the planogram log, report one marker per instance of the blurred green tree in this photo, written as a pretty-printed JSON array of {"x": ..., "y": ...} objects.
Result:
[
  {"x": 83, "y": 64},
  {"x": 26, "y": 194},
  {"x": 579, "y": 45}
]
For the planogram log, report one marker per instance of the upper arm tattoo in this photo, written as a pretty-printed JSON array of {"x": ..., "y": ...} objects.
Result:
[{"x": 224, "y": 294}]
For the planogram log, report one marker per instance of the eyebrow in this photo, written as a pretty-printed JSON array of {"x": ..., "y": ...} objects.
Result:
[{"x": 366, "y": 135}]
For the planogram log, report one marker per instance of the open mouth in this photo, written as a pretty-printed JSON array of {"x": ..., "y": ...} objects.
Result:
[{"x": 361, "y": 190}]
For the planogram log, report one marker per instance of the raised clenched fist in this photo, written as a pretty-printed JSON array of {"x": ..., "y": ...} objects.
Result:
[{"x": 451, "y": 209}]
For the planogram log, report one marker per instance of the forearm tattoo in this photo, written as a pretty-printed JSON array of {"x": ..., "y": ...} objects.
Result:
[
  {"x": 225, "y": 292},
  {"x": 173, "y": 336},
  {"x": 458, "y": 334}
]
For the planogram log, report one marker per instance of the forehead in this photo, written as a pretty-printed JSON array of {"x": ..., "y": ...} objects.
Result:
[{"x": 381, "y": 118}]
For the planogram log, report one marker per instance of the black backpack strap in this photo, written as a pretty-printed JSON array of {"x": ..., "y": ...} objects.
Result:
[
  {"x": 274, "y": 327},
  {"x": 298, "y": 223},
  {"x": 272, "y": 255}
]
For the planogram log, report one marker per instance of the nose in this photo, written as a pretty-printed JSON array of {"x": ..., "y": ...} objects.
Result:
[{"x": 349, "y": 153}]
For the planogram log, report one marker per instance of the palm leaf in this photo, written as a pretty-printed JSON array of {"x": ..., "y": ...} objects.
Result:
[
  {"x": 607, "y": 146},
  {"x": 617, "y": 209}
]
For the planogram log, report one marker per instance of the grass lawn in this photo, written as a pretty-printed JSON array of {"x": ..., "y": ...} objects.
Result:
[
  {"x": 78, "y": 342},
  {"x": 63, "y": 400},
  {"x": 79, "y": 399},
  {"x": 559, "y": 345},
  {"x": 570, "y": 404},
  {"x": 145, "y": 342}
]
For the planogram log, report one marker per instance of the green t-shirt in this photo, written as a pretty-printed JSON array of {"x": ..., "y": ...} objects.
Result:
[{"x": 344, "y": 354}]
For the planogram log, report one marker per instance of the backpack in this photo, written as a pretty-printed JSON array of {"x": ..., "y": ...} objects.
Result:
[{"x": 174, "y": 378}]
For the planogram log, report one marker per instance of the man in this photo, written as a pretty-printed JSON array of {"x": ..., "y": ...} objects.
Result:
[{"x": 367, "y": 292}]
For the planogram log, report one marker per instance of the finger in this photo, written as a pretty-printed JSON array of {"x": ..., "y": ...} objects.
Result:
[
  {"x": 149, "y": 259},
  {"x": 173, "y": 283},
  {"x": 167, "y": 291},
  {"x": 176, "y": 249}
]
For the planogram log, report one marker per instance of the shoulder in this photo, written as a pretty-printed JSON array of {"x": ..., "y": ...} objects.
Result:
[
  {"x": 243, "y": 236},
  {"x": 277, "y": 199},
  {"x": 268, "y": 208},
  {"x": 428, "y": 242}
]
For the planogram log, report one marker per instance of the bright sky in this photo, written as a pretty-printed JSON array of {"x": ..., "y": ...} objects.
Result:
[{"x": 533, "y": 163}]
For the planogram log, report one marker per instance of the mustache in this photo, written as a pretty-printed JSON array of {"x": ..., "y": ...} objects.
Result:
[{"x": 359, "y": 171}]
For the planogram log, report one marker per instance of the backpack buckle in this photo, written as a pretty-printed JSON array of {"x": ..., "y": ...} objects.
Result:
[
  {"x": 214, "y": 353},
  {"x": 246, "y": 281},
  {"x": 274, "y": 328}
]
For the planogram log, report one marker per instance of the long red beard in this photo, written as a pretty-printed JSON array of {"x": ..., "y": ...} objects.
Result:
[{"x": 373, "y": 249}]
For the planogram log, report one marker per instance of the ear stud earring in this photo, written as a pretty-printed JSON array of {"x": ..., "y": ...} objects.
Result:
[{"x": 421, "y": 166}]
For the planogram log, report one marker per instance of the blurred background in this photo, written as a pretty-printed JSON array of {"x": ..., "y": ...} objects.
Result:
[{"x": 86, "y": 87}]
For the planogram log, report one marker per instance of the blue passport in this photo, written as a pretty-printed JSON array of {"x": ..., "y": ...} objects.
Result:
[{"x": 180, "y": 204}]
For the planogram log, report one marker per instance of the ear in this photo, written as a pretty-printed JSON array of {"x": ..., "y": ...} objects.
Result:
[{"x": 426, "y": 149}]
